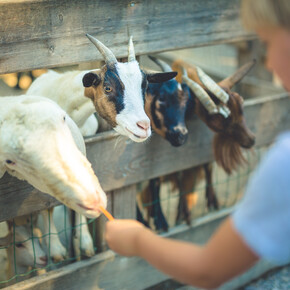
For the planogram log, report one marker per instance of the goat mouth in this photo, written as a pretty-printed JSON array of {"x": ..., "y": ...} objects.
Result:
[
  {"x": 85, "y": 207},
  {"x": 137, "y": 136}
]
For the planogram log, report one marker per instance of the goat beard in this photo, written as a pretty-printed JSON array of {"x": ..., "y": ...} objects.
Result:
[{"x": 227, "y": 153}]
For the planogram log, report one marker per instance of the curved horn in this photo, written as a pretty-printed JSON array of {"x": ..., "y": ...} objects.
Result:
[
  {"x": 230, "y": 81},
  {"x": 212, "y": 86},
  {"x": 131, "y": 51},
  {"x": 202, "y": 95},
  {"x": 162, "y": 64},
  {"x": 107, "y": 54}
]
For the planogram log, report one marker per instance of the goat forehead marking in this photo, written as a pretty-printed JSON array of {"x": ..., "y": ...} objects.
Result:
[
  {"x": 131, "y": 76},
  {"x": 113, "y": 80}
]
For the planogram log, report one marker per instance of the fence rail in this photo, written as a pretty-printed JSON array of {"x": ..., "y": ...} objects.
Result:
[{"x": 49, "y": 33}]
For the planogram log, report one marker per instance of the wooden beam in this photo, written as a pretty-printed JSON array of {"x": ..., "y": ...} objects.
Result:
[
  {"x": 118, "y": 162},
  {"x": 49, "y": 33}
]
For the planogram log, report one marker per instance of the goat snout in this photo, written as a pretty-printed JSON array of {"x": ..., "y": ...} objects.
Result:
[
  {"x": 177, "y": 138},
  {"x": 249, "y": 142}
]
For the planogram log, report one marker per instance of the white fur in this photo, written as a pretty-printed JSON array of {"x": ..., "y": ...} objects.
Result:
[
  {"x": 67, "y": 90},
  {"x": 35, "y": 136},
  {"x": 133, "y": 112},
  {"x": 61, "y": 224},
  {"x": 51, "y": 243}
]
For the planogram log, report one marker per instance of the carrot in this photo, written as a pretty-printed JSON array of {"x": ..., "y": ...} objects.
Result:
[{"x": 106, "y": 213}]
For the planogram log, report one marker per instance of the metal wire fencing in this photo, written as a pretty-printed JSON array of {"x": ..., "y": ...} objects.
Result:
[{"x": 229, "y": 189}]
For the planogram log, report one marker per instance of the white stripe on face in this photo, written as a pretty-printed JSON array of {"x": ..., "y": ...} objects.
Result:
[{"x": 133, "y": 112}]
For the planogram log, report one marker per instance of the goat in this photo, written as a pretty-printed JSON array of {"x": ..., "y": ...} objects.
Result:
[
  {"x": 24, "y": 251},
  {"x": 165, "y": 105},
  {"x": 38, "y": 144},
  {"x": 227, "y": 122},
  {"x": 116, "y": 91},
  {"x": 221, "y": 110}
]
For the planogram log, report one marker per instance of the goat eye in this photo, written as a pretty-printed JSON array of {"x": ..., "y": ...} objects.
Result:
[
  {"x": 10, "y": 162},
  {"x": 107, "y": 89},
  {"x": 19, "y": 245},
  {"x": 64, "y": 118}
]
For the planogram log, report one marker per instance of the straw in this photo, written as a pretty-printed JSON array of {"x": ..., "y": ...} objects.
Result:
[{"x": 106, "y": 213}]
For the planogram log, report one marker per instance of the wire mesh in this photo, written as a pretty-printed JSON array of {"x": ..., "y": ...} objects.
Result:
[
  {"x": 229, "y": 190},
  {"x": 10, "y": 259}
]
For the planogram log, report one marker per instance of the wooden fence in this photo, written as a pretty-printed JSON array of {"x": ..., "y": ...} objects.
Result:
[{"x": 50, "y": 33}]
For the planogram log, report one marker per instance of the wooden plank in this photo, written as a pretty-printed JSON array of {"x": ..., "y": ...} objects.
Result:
[
  {"x": 50, "y": 33},
  {"x": 118, "y": 162},
  {"x": 124, "y": 202}
]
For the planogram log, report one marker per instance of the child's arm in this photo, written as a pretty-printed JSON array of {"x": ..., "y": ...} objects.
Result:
[{"x": 223, "y": 257}]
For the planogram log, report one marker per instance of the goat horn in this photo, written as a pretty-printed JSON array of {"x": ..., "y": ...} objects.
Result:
[
  {"x": 212, "y": 86},
  {"x": 230, "y": 81},
  {"x": 162, "y": 64},
  {"x": 224, "y": 110},
  {"x": 107, "y": 54},
  {"x": 131, "y": 50},
  {"x": 202, "y": 95}
]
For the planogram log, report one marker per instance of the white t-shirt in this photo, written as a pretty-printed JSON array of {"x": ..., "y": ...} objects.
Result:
[{"x": 263, "y": 216}]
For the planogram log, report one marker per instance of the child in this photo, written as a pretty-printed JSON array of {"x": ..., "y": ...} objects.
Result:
[{"x": 260, "y": 227}]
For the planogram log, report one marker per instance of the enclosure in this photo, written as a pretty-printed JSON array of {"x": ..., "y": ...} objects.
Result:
[{"x": 41, "y": 34}]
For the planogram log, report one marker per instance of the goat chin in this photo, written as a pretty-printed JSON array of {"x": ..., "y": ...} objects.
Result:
[{"x": 227, "y": 153}]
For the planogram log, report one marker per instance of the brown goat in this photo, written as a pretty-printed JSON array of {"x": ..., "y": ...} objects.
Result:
[{"x": 231, "y": 132}]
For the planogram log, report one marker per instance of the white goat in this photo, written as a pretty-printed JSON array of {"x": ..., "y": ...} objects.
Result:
[
  {"x": 23, "y": 248},
  {"x": 36, "y": 145},
  {"x": 116, "y": 92}
]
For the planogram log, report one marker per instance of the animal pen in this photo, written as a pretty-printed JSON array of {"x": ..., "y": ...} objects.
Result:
[{"x": 51, "y": 34}]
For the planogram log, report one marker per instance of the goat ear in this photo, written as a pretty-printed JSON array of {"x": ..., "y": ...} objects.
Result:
[
  {"x": 91, "y": 79},
  {"x": 161, "y": 77}
]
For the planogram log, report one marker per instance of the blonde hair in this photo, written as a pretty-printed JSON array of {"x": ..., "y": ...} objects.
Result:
[{"x": 257, "y": 13}]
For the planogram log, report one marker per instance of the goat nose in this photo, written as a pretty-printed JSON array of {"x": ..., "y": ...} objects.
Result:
[{"x": 143, "y": 125}]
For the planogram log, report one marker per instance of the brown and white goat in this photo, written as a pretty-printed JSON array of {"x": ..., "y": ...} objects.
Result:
[{"x": 116, "y": 91}]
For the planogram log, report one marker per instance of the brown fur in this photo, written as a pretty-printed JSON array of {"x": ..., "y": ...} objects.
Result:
[
  {"x": 148, "y": 103},
  {"x": 104, "y": 107},
  {"x": 230, "y": 133}
]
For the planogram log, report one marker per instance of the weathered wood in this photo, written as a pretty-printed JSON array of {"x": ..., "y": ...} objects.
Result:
[
  {"x": 118, "y": 162},
  {"x": 124, "y": 202},
  {"x": 48, "y": 33}
]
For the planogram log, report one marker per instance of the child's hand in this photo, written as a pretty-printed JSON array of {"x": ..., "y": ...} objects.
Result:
[{"x": 122, "y": 236}]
